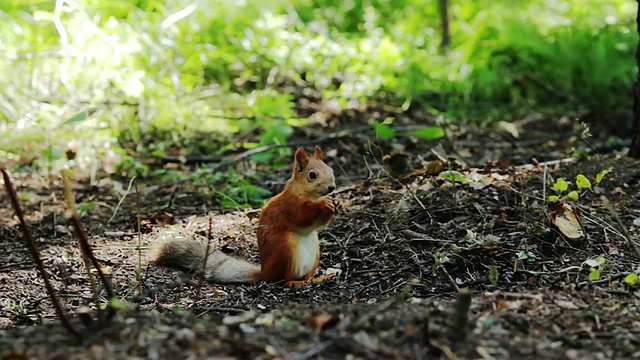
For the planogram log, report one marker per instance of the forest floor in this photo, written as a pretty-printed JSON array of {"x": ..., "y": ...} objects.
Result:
[{"x": 407, "y": 248}]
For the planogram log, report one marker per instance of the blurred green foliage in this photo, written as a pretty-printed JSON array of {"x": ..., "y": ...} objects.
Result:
[{"x": 153, "y": 71}]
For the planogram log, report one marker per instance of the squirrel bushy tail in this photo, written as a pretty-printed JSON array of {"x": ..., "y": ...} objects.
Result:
[{"x": 220, "y": 268}]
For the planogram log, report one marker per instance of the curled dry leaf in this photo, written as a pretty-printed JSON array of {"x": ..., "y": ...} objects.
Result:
[
  {"x": 252, "y": 214},
  {"x": 619, "y": 191},
  {"x": 157, "y": 219},
  {"x": 567, "y": 219},
  {"x": 162, "y": 218},
  {"x": 433, "y": 167}
]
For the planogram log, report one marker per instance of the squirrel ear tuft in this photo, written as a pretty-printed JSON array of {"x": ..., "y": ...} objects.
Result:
[
  {"x": 302, "y": 159},
  {"x": 318, "y": 153}
]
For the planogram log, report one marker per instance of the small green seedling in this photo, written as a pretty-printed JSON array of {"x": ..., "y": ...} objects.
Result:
[
  {"x": 526, "y": 255},
  {"x": 85, "y": 207},
  {"x": 582, "y": 182},
  {"x": 493, "y": 275},
  {"x": 453, "y": 176},
  {"x": 429, "y": 132},
  {"x": 25, "y": 196},
  {"x": 441, "y": 257},
  {"x": 406, "y": 291},
  {"x": 117, "y": 303},
  {"x": 595, "y": 267},
  {"x": 238, "y": 192},
  {"x": 383, "y": 130},
  {"x": 601, "y": 175},
  {"x": 631, "y": 279},
  {"x": 485, "y": 322}
]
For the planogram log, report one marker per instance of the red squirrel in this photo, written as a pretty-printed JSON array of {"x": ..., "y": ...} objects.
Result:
[{"x": 287, "y": 233}]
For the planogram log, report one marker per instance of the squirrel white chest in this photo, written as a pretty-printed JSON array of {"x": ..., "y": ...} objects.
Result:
[{"x": 306, "y": 253}]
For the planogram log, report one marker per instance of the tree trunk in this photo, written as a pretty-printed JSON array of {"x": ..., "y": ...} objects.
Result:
[
  {"x": 634, "y": 150},
  {"x": 444, "y": 21}
]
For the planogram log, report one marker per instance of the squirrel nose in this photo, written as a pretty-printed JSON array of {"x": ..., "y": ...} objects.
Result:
[{"x": 331, "y": 188}]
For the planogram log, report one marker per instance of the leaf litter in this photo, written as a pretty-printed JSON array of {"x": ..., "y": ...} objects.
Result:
[{"x": 406, "y": 250}]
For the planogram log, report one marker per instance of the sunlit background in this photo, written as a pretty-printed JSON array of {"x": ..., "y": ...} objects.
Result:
[{"x": 110, "y": 79}]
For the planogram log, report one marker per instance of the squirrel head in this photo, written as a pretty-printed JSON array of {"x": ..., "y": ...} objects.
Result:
[{"x": 311, "y": 176}]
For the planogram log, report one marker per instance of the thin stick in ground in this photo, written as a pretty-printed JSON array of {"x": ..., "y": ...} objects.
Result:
[
  {"x": 206, "y": 258},
  {"x": 139, "y": 230},
  {"x": 630, "y": 242},
  {"x": 35, "y": 253},
  {"x": 85, "y": 247}
]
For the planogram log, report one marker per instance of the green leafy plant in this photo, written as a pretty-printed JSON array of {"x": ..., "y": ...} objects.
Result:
[
  {"x": 130, "y": 167},
  {"x": 85, "y": 207},
  {"x": 384, "y": 131},
  {"x": 561, "y": 186},
  {"x": 493, "y": 275},
  {"x": 526, "y": 255},
  {"x": 631, "y": 279},
  {"x": 485, "y": 322},
  {"x": 25, "y": 196},
  {"x": 594, "y": 274},
  {"x": 453, "y": 176},
  {"x": 240, "y": 68},
  {"x": 406, "y": 290},
  {"x": 117, "y": 303},
  {"x": 600, "y": 176},
  {"x": 441, "y": 257},
  {"x": 429, "y": 132},
  {"x": 596, "y": 266},
  {"x": 238, "y": 191}
]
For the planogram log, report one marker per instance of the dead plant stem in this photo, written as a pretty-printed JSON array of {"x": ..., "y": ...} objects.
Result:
[
  {"x": 35, "y": 253},
  {"x": 139, "y": 230},
  {"x": 115, "y": 211},
  {"x": 85, "y": 248},
  {"x": 630, "y": 242}
]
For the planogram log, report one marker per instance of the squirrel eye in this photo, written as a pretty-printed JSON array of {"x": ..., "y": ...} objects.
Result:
[{"x": 312, "y": 175}]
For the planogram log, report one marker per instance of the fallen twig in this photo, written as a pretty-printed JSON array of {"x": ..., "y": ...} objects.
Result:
[
  {"x": 416, "y": 236},
  {"x": 16, "y": 266},
  {"x": 545, "y": 164}
]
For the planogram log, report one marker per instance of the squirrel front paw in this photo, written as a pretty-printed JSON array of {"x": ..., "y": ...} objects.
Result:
[
  {"x": 296, "y": 283},
  {"x": 329, "y": 205},
  {"x": 337, "y": 205}
]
